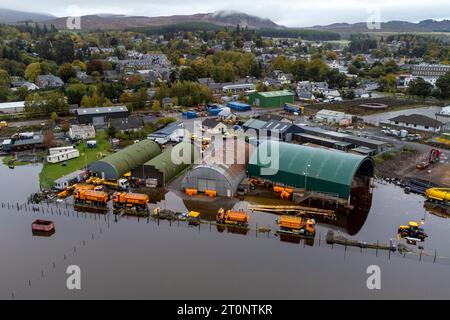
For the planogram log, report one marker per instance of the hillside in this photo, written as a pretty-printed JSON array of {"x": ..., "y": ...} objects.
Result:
[
  {"x": 221, "y": 18},
  {"x": 391, "y": 26},
  {"x": 13, "y": 16}
]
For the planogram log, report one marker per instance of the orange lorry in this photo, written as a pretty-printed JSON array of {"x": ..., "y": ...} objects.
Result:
[
  {"x": 297, "y": 225},
  {"x": 91, "y": 197},
  {"x": 130, "y": 200},
  {"x": 233, "y": 217}
]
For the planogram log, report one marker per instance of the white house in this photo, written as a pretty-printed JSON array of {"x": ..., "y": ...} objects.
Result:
[
  {"x": 417, "y": 122},
  {"x": 81, "y": 132}
]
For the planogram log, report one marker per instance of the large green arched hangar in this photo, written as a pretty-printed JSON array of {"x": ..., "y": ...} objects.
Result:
[
  {"x": 117, "y": 164},
  {"x": 321, "y": 170}
]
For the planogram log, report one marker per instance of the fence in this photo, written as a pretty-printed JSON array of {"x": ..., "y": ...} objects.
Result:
[{"x": 319, "y": 241}]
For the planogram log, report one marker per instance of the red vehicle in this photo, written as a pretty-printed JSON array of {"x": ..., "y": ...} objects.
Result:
[{"x": 43, "y": 226}]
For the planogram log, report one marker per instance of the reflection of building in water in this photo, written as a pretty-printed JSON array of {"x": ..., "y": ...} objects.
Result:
[{"x": 351, "y": 220}]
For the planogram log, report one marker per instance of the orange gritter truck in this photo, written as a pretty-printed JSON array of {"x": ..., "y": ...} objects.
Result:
[
  {"x": 233, "y": 217},
  {"x": 297, "y": 225},
  {"x": 130, "y": 200},
  {"x": 91, "y": 197}
]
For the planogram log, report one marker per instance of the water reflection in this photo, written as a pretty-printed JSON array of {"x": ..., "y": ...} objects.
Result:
[
  {"x": 292, "y": 238},
  {"x": 46, "y": 234},
  {"x": 233, "y": 229},
  {"x": 438, "y": 210}
]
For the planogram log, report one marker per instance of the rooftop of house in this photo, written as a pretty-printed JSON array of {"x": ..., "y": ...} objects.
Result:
[
  {"x": 211, "y": 123},
  {"x": 126, "y": 123},
  {"x": 417, "y": 119}
]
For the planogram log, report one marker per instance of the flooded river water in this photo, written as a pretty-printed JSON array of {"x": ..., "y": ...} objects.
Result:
[{"x": 135, "y": 258}]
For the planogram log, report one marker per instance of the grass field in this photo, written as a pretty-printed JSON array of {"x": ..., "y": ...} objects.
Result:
[
  {"x": 5, "y": 161},
  {"x": 51, "y": 172}
]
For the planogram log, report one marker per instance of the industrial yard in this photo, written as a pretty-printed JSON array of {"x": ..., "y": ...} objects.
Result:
[
  {"x": 222, "y": 156},
  {"x": 334, "y": 194},
  {"x": 95, "y": 240}
]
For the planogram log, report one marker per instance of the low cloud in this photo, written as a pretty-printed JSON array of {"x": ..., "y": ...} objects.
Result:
[{"x": 293, "y": 13}]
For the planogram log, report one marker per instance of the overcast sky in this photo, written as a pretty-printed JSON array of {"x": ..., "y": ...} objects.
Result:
[{"x": 292, "y": 13}]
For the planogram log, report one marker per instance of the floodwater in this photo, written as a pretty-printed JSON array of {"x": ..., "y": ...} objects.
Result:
[{"x": 133, "y": 258}]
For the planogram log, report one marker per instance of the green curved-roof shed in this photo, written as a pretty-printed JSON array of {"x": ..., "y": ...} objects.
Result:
[
  {"x": 322, "y": 170},
  {"x": 117, "y": 164},
  {"x": 165, "y": 163}
]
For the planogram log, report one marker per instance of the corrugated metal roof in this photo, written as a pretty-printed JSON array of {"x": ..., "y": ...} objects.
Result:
[
  {"x": 164, "y": 162},
  {"x": 254, "y": 124},
  {"x": 101, "y": 110},
  {"x": 117, "y": 164},
  {"x": 280, "y": 93},
  {"x": 327, "y": 170}
]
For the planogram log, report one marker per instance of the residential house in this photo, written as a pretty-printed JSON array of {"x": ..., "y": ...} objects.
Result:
[
  {"x": 214, "y": 126},
  {"x": 417, "y": 122},
  {"x": 81, "y": 132},
  {"x": 49, "y": 81},
  {"x": 127, "y": 125}
]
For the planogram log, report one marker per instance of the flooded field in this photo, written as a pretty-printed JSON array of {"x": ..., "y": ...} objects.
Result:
[{"x": 127, "y": 257}]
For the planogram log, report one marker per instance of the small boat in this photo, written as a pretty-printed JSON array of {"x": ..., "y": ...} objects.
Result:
[{"x": 43, "y": 226}]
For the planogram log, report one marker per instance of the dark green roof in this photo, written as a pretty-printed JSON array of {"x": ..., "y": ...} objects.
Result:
[
  {"x": 328, "y": 171},
  {"x": 165, "y": 161},
  {"x": 117, "y": 164}
]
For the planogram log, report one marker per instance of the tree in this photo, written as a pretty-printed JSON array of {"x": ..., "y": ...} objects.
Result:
[
  {"x": 156, "y": 106},
  {"x": 32, "y": 71},
  {"x": 85, "y": 102},
  {"x": 443, "y": 85},
  {"x": 188, "y": 74},
  {"x": 49, "y": 139},
  {"x": 5, "y": 81},
  {"x": 95, "y": 65},
  {"x": 54, "y": 117},
  {"x": 66, "y": 71},
  {"x": 44, "y": 104},
  {"x": 75, "y": 93},
  {"x": 420, "y": 87},
  {"x": 111, "y": 131}
]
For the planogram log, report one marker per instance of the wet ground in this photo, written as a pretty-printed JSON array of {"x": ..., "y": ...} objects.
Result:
[{"x": 133, "y": 258}]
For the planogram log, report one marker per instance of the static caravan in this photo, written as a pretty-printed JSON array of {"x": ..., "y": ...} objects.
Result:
[
  {"x": 53, "y": 151},
  {"x": 63, "y": 156}
]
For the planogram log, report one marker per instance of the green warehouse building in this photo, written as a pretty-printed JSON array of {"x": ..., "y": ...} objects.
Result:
[
  {"x": 321, "y": 170},
  {"x": 114, "y": 166},
  {"x": 271, "y": 99}
]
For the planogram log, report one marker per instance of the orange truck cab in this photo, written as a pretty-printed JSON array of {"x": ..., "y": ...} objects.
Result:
[{"x": 130, "y": 200}]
